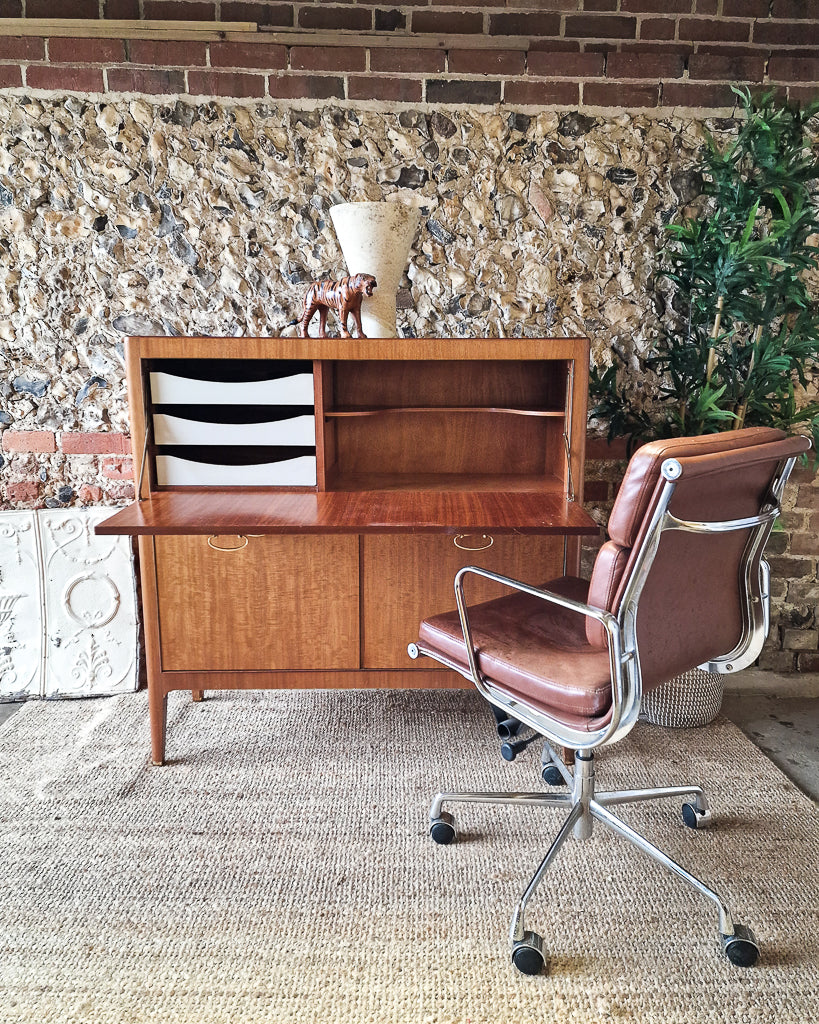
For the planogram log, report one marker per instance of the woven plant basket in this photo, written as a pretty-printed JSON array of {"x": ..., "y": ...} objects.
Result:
[{"x": 693, "y": 698}]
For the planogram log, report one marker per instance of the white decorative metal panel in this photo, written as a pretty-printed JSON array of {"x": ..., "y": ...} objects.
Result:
[
  {"x": 21, "y": 614},
  {"x": 90, "y": 606}
]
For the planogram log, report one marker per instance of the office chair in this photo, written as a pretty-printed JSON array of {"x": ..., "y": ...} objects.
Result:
[{"x": 680, "y": 583}]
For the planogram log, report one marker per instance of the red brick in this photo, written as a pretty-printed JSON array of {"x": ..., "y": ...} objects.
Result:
[
  {"x": 683, "y": 94},
  {"x": 90, "y": 494},
  {"x": 161, "y": 10},
  {"x": 97, "y": 443},
  {"x": 330, "y": 18},
  {"x": 248, "y": 55},
  {"x": 22, "y": 491},
  {"x": 11, "y": 8},
  {"x": 599, "y": 449},
  {"x": 11, "y": 76},
  {"x": 85, "y": 51},
  {"x": 328, "y": 58},
  {"x": 445, "y": 23},
  {"x": 801, "y": 94},
  {"x": 278, "y": 15},
  {"x": 76, "y": 9},
  {"x": 600, "y": 26},
  {"x": 726, "y": 69},
  {"x": 146, "y": 80},
  {"x": 487, "y": 62},
  {"x": 657, "y": 28},
  {"x": 807, "y": 496},
  {"x": 121, "y": 9},
  {"x": 458, "y": 90},
  {"x": 118, "y": 469},
  {"x": 745, "y": 8},
  {"x": 794, "y": 8},
  {"x": 225, "y": 83},
  {"x": 707, "y": 6},
  {"x": 565, "y": 65},
  {"x": 644, "y": 65},
  {"x": 405, "y": 61},
  {"x": 807, "y": 661},
  {"x": 793, "y": 69},
  {"x": 21, "y": 48},
  {"x": 787, "y": 33},
  {"x": 596, "y": 490},
  {"x": 160, "y": 53},
  {"x": 600, "y": 5},
  {"x": 530, "y": 93},
  {"x": 29, "y": 441},
  {"x": 615, "y": 94},
  {"x": 305, "y": 87},
  {"x": 120, "y": 492},
  {"x": 711, "y": 28},
  {"x": 374, "y": 87},
  {"x": 64, "y": 78},
  {"x": 657, "y": 7},
  {"x": 804, "y": 544},
  {"x": 524, "y": 24}
]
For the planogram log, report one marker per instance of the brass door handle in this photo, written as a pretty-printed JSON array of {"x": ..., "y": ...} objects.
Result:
[
  {"x": 468, "y": 547},
  {"x": 218, "y": 547}
]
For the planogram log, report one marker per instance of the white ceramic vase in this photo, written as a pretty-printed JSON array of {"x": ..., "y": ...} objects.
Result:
[{"x": 375, "y": 238}]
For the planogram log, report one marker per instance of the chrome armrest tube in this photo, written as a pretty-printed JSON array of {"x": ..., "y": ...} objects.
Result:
[{"x": 624, "y": 711}]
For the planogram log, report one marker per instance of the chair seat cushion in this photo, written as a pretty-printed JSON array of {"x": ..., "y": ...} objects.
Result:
[{"x": 532, "y": 649}]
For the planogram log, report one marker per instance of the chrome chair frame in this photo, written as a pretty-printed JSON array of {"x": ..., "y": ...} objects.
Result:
[{"x": 584, "y": 804}]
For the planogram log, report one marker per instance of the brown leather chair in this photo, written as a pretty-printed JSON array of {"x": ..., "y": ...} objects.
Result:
[{"x": 680, "y": 583}]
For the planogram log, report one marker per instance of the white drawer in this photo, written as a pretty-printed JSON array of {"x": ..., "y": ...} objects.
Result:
[
  {"x": 299, "y": 430},
  {"x": 172, "y": 471},
  {"x": 169, "y": 389}
]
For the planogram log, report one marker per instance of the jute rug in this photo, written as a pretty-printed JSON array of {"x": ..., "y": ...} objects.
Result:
[{"x": 279, "y": 870}]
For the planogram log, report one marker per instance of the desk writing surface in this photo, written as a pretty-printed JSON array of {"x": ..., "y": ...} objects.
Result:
[{"x": 255, "y": 511}]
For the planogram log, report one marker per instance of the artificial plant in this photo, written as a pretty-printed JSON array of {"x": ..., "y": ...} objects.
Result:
[{"x": 742, "y": 334}]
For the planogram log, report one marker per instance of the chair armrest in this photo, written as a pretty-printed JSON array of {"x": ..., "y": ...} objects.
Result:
[{"x": 605, "y": 618}]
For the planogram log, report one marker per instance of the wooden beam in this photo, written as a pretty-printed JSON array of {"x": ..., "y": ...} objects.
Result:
[{"x": 88, "y": 28}]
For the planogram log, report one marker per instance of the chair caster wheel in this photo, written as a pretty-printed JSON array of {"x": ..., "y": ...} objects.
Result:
[
  {"x": 527, "y": 954},
  {"x": 741, "y": 948},
  {"x": 694, "y": 817},
  {"x": 442, "y": 829},
  {"x": 551, "y": 775}
]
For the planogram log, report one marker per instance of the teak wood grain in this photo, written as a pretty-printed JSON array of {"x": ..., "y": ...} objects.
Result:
[
  {"x": 417, "y": 440},
  {"x": 401, "y": 511},
  {"x": 274, "y": 603}
]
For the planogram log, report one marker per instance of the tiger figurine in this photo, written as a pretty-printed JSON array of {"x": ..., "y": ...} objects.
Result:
[{"x": 343, "y": 296}]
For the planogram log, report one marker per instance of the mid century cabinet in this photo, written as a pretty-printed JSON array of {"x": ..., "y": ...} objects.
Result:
[{"x": 303, "y": 503}]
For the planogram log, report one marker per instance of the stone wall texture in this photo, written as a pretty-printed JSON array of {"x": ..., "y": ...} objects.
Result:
[
  {"x": 159, "y": 178},
  {"x": 141, "y": 217}
]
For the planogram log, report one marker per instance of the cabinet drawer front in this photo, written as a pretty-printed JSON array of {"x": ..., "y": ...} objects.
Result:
[
  {"x": 405, "y": 579},
  {"x": 272, "y": 603},
  {"x": 300, "y": 430},
  {"x": 172, "y": 471},
  {"x": 170, "y": 389}
]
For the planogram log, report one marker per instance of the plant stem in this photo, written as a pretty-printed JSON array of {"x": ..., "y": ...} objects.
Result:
[{"x": 712, "y": 350}]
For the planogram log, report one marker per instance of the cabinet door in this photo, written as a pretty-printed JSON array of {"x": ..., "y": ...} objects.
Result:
[
  {"x": 405, "y": 579},
  {"x": 272, "y": 603}
]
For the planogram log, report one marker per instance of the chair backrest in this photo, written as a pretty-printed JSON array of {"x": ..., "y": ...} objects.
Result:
[{"x": 693, "y": 606}]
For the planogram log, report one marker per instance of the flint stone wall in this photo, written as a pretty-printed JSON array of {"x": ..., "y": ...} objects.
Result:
[{"x": 130, "y": 217}]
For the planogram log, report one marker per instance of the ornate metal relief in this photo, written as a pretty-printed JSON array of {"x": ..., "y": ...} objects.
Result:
[
  {"x": 21, "y": 598},
  {"x": 68, "y": 617},
  {"x": 90, "y": 605}
]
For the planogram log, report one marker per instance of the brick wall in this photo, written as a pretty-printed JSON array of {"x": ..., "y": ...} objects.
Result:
[{"x": 582, "y": 53}]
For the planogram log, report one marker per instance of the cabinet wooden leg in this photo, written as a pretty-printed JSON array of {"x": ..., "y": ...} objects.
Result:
[
  {"x": 158, "y": 708},
  {"x": 568, "y": 756},
  {"x": 197, "y": 695}
]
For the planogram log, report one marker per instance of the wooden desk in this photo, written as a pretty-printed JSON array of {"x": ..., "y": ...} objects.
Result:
[{"x": 303, "y": 503}]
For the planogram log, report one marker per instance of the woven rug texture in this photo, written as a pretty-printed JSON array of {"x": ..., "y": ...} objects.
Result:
[{"x": 279, "y": 869}]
